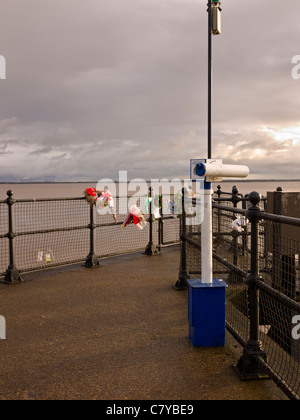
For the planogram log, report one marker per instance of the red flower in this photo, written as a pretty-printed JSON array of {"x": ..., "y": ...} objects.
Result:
[
  {"x": 136, "y": 220},
  {"x": 91, "y": 192}
]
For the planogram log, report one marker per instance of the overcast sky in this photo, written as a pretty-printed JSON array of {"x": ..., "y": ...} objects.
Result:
[{"x": 98, "y": 86}]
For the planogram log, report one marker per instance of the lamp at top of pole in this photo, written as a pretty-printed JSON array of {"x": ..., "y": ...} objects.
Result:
[{"x": 216, "y": 24}]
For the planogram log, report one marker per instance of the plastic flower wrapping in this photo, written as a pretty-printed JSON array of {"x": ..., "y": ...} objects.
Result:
[
  {"x": 156, "y": 207},
  {"x": 136, "y": 217},
  {"x": 239, "y": 224},
  {"x": 106, "y": 199}
]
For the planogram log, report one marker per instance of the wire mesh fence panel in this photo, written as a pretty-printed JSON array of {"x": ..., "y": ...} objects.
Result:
[
  {"x": 32, "y": 216},
  {"x": 279, "y": 268},
  {"x": 171, "y": 230},
  {"x": 281, "y": 260},
  {"x": 114, "y": 236},
  {"x": 112, "y": 240},
  {"x": 231, "y": 264},
  {"x": 4, "y": 255},
  {"x": 193, "y": 250},
  {"x": 40, "y": 251},
  {"x": 4, "y": 250},
  {"x": 53, "y": 232},
  {"x": 3, "y": 218},
  {"x": 281, "y": 347},
  {"x": 50, "y": 232},
  {"x": 278, "y": 251}
]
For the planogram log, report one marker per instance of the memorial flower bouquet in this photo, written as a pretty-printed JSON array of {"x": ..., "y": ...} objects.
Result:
[
  {"x": 136, "y": 217},
  {"x": 92, "y": 195}
]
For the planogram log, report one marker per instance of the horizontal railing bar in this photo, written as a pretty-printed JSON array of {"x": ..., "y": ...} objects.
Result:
[
  {"x": 280, "y": 297},
  {"x": 42, "y": 200},
  {"x": 190, "y": 241},
  {"x": 230, "y": 209},
  {"x": 40, "y": 232},
  {"x": 293, "y": 221},
  {"x": 236, "y": 335},
  {"x": 229, "y": 265},
  {"x": 66, "y": 229}
]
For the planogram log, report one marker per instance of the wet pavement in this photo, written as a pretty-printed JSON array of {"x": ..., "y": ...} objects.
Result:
[{"x": 118, "y": 332}]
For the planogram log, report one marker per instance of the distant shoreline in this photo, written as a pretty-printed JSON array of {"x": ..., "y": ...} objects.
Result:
[{"x": 116, "y": 181}]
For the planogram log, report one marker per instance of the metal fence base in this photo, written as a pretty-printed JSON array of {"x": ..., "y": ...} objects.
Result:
[
  {"x": 152, "y": 250},
  {"x": 182, "y": 283},
  {"x": 248, "y": 367},
  {"x": 92, "y": 261},
  {"x": 12, "y": 276}
]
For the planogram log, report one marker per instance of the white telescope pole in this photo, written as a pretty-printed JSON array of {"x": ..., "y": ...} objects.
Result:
[{"x": 207, "y": 236}]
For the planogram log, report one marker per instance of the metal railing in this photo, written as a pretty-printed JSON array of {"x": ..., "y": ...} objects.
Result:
[
  {"x": 260, "y": 263},
  {"x": 37, "y": 234}
]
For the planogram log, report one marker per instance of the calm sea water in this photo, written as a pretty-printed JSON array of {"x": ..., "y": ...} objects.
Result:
[{"x": 23, "y": 191}]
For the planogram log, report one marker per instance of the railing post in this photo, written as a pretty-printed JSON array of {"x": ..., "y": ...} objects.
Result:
[
  {"x": 92, "y": 260},
  {"x": 235, "y": 196},
  {"x": 248, "y": 366},
  {"x": 151, "y": 248},
  {"x": 161, "y": 224},
  {"x": 182, "y": 282},
  {"x": 12, "y": 274}
]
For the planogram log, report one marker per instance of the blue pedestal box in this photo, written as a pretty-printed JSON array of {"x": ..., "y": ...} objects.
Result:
[{"x": 207, "y": 313}]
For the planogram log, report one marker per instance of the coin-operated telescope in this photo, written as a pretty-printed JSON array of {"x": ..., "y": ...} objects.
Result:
[
  {"x": 211, "y": 170},
  {"x": 207, "y": 296}
]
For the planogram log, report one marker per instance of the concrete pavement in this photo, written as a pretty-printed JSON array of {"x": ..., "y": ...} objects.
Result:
[{"x": 117, "y": 332}]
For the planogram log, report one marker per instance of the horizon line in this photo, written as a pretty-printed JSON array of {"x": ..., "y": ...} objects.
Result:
[{"x": 162, "y": 180}]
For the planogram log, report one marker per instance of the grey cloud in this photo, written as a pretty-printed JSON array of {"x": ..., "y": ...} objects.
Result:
[
  {"x": 40, "y": 151},
  {"x": 98, "y": 86}
]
